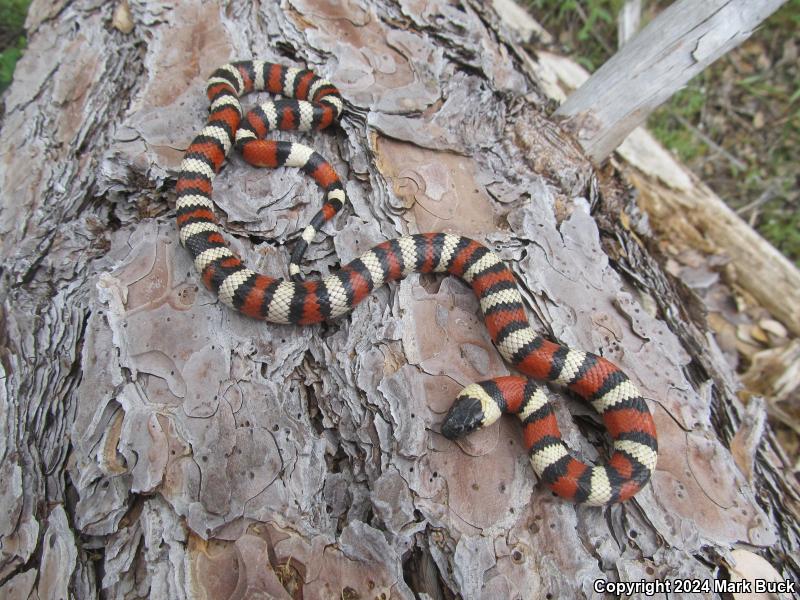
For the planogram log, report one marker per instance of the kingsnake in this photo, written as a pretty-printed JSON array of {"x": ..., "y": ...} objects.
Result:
[{"x": 310, "y": 102}]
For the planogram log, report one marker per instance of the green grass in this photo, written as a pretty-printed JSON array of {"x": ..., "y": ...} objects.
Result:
[
  {"x": 782, "y": 225},
  {"x": 12, "y": 37},
  {"x": 666, "y": 123},
  {"x": 737, "y": 124},
  {"x": 585, "y": 29}
]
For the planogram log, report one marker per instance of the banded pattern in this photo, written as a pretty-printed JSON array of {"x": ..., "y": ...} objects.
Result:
[
  {"x": 309, "y": 102},
  {"x": 303, "y": 116},
  {"x": 305, "y": 302},
  {"x": 624, "y": 413}
]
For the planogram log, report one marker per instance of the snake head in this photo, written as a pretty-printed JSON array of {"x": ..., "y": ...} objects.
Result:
[{"x": 465, "y": 416}]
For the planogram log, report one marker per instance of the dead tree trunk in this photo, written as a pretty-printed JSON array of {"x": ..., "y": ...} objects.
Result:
[
  {"x": 156, "y": 445},
  {"x": 677, "y": 45}
]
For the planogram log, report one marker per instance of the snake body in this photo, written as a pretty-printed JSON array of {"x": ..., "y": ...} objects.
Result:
[{"x": 310, "y": 102}]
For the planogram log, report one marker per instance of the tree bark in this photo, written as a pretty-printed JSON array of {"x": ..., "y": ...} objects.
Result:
[{"x": 157, "y": 445}]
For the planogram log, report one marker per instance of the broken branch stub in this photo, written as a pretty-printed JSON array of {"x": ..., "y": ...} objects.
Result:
[{"x": 678, "y": 44}]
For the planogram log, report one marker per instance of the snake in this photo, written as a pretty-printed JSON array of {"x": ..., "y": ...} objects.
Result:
[{"x": 301, "y": 100}]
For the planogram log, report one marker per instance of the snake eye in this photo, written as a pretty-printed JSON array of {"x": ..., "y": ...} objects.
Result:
[{"x": 465, "y": 416}]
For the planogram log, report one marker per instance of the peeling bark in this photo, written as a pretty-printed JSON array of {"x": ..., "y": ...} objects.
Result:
[{"x": 157, "y": 445}]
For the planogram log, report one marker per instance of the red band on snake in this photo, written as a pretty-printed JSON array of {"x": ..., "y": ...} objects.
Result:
[{"x": 313, "y": 103}]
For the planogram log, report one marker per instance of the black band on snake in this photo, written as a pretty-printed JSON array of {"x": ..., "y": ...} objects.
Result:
[{"x": 310, "y": 102}]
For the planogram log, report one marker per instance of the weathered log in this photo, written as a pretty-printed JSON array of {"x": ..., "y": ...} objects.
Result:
[
  {"x": 156, "y": 445},
  {"x": 678, "y": 44}
]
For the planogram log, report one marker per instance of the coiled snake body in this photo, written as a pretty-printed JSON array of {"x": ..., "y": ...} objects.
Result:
[{"x": 310, "y": 102}]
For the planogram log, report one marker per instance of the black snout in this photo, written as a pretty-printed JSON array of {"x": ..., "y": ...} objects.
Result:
[{"x": 465, "y": 416}]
